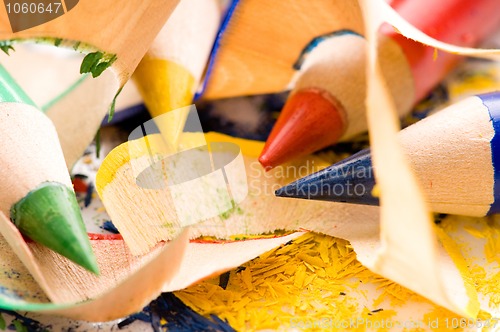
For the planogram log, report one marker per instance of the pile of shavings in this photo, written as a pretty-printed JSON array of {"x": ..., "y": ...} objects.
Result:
[
  {"x": 479, "y": 242},
  {"x": 313, "y": 282}
]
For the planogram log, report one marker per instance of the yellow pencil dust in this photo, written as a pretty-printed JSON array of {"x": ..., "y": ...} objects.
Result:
[{"x": 312, "y": 283}]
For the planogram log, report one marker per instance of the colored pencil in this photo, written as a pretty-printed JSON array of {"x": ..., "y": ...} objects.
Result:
[
  {"x": 455, "y": 154},
  {"x": 327, "y": 103},
  {"x": 36, "y": 188},
  {"x": 169, "y": 73}
]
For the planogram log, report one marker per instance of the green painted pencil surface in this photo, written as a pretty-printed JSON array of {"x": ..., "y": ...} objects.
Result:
[{"x": 42, "y": 204}]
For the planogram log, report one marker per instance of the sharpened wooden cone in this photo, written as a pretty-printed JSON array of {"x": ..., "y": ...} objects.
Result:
[
  {"x": 36, "y": 188},
  {"x": 50, "y": 215}
]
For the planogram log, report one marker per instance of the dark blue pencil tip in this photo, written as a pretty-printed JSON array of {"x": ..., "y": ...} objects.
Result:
[
  {"x": 281, "y": 192},
  {"x": 292, "y": 191},
  {"x": 349, "y": 181}
]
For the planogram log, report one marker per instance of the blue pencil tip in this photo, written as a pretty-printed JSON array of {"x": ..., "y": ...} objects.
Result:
[
  {"x": 297, "y": 189},
  {"x": 281, "y": 192},
  {"x": 349, "y": 181}
]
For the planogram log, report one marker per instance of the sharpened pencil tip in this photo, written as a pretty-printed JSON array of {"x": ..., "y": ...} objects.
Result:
[
  {"x": 310, "y": 120},
  {"x": 265, "y": 162},
  {"x": 294, "y": 190},
  {"x": 50, "y": 215},
  {"x": 280, "y": 192},
  {"x": 165, "y": 85},
  {"x": 349, "y": 181}
]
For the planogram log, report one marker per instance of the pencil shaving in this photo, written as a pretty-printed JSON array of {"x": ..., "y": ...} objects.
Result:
[
  {"x": 75, "y": 293},
  {"x": 390, "y": 16},
  {"x": 135, "y": 209},
  {"x": 126, "y": 283},
  {"x": 408, "y": 252}
]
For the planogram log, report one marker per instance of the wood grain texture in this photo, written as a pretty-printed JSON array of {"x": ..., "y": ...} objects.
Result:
[
  {"x": 29, "y": 141},
  {"x": 264, "y": 39},
  {"x": 449, "y": 150},
  {"x": 93, "y": 98},
  {"x": 122, "y": 28}
]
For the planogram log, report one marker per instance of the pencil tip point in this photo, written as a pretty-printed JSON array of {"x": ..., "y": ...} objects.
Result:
[
  {"x": 50, "y": 215},
  {"x": 291, "y": 190},
  {"x": 265, "y": 162},
  {"x": 164, "y": 85},
  {"x": 348, "y": 181},
  {"x": 280, "y": 192},
  {"x": 310, "y": 120}
]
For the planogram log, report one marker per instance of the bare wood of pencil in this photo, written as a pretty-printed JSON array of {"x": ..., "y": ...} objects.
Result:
[
  {"x": 330, "y": 92},
  {"x": 122, "y": 32}
]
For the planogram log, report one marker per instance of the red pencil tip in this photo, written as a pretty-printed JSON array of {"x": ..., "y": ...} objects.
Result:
[
  {"x": 310, "y": 120},
  {"x": 265, "y": 161}
]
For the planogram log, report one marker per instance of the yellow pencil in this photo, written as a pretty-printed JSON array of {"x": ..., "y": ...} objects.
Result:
[{"x": 169, "y": 73}]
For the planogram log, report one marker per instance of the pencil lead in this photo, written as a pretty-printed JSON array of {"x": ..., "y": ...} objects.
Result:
[
  {"x": 311, "y": 119},
  {"x": 349, "y": 181},
  {"x": 50, "y": 215}
]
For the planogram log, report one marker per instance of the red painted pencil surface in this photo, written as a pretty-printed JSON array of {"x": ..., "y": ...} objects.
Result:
[{"x": 315, "y": 117}]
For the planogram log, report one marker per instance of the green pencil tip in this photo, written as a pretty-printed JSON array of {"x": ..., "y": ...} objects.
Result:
[{"x": 50, "y": 215}]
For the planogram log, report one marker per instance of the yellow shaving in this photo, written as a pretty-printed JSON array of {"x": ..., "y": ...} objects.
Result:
[
  {"x": 313, "y": 283},
  {"x": 126, "y": 151},
  {"x": 280, "y": 286},
  {"x": 475, "y": 81},
  {"x": 122, "y": 155},
  {"x": 153, "y": 211},
  {"x": 486, "y": 276}
]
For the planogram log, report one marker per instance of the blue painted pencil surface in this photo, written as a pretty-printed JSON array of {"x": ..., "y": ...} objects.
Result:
[{"x": 455, "y": 155}]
